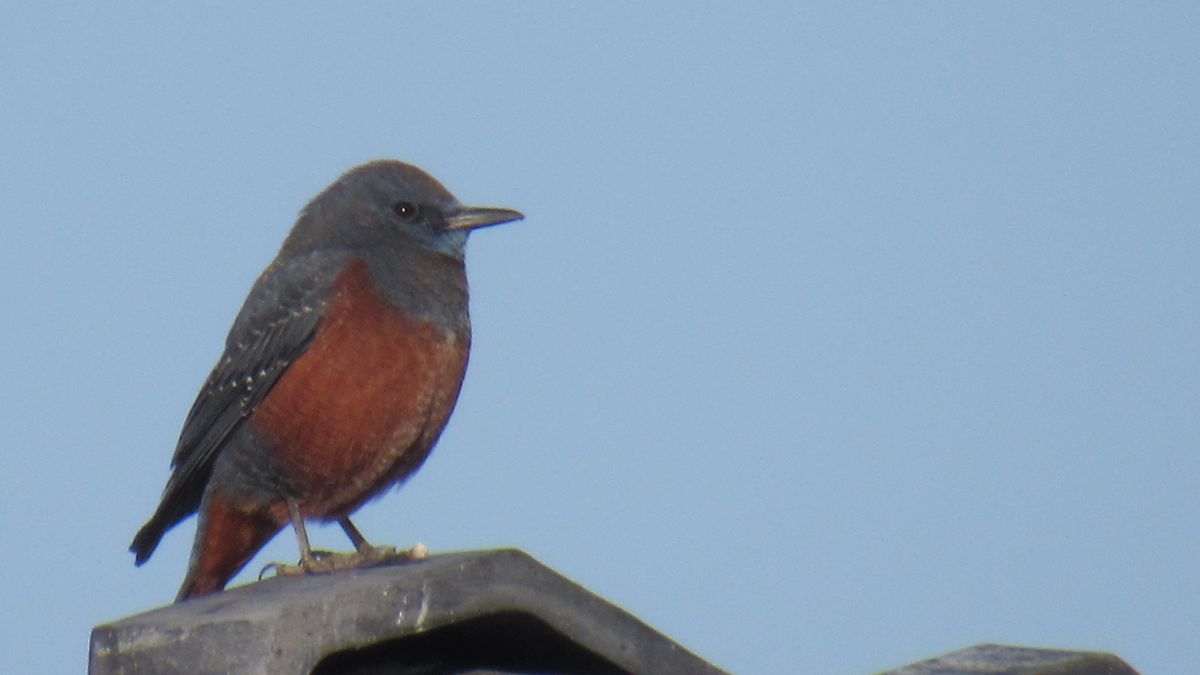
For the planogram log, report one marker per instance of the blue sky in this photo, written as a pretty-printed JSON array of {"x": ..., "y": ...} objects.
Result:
[{"x": 836, "y": 336}]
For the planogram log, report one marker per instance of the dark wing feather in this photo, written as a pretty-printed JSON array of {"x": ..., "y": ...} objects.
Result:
[{"x": 275, "y": 325}]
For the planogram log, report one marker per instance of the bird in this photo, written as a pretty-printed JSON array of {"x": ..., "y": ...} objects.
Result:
[{"x": 338, "y": 375}]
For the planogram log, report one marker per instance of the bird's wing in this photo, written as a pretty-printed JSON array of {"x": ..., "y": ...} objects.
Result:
[{"x": 275, "y": 325}]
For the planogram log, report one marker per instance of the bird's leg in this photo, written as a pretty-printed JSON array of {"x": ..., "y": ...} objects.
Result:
[
  {"x": 368, "y": 555},
  {"x": 307, "y": 560},
  {"x": 310, "y": 562},
  {"x": 360, "y": 542}
]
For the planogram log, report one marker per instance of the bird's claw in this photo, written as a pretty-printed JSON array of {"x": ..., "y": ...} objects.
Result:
[{"x": 326, "y": 562}]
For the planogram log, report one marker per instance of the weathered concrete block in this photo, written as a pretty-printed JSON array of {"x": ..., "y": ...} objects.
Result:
[
  {"x": 1010, "y": 660},
  {"x": 489, "y": 610}
]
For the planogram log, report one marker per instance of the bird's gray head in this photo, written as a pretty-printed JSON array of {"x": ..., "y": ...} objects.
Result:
[{"x": 389, "y": 203}]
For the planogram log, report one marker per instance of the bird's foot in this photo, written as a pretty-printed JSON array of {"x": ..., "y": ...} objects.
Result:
[
  {"x": 325, "y": 562},
  {"x": 376, "y": 556}
]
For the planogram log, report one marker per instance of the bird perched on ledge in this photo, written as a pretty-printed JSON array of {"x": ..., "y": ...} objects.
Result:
[{"x": 338, "y": 375}]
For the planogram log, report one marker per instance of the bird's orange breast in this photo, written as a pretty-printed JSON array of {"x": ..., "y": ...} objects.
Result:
[{"x": 364, "y": 404}]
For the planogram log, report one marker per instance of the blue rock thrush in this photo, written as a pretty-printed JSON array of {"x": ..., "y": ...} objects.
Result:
[{"x": 338, "y": 375}]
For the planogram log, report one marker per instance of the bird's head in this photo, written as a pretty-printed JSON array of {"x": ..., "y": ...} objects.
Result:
[{"x": 389, "y": 203}]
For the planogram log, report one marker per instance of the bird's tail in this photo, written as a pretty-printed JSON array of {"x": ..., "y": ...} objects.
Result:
[
  {"x": 226, "y": 539},
  {"x": 147, "y": 540},
  {"x": 171, "y": 510}
]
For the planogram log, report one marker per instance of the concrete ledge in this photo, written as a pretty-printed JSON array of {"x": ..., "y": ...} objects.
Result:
[
  {"x": 481, "y": 611},
  {"x": 488, "y": 610},
  {"x": 1010, "y": 660}
]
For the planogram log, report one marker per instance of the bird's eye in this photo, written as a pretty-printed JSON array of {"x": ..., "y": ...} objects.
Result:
[{"x": 406, "y": 210}]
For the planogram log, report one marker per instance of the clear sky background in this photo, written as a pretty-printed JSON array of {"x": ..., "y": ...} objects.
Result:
[{"x": 836, "y": 336}]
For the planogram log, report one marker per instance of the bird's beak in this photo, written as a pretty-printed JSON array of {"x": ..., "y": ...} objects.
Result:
[{"x": 473, "y": 217}]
